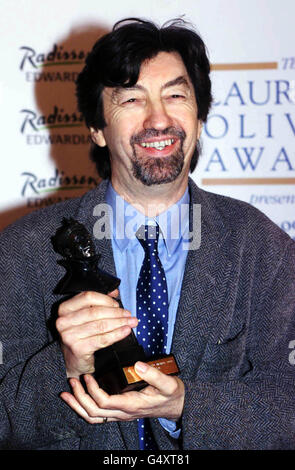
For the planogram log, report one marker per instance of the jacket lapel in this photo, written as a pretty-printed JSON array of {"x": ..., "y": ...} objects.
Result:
[{"x": 204, "y": 286}]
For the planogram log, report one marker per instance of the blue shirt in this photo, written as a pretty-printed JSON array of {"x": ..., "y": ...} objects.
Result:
[{"x": 129, "y": 254}]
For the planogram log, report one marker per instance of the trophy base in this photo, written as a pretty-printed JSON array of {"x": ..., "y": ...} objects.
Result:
[{"x": 125, "y": 379}]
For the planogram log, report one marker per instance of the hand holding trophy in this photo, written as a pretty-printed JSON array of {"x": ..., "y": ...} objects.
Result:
[{"x": 114, "y": 371}]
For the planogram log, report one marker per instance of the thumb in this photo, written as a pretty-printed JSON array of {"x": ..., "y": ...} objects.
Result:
[{"x": 153, "y": 376}]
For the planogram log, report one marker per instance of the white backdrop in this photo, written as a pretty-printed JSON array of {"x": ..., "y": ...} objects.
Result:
[{"x": 248, "y": 142}]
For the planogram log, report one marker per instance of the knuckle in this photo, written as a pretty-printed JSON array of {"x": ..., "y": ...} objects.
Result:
[
  {"x": 75, "y": 349},
  {"x": 61, "y": 309},
  {"x": 122, "y": 332},
  {"x": 88, "y": 296},
  {"x": 104, "y": 341},
  {"x": 59, "y": 324},
  {"x": 122, "y": 322},
  {"x": 66, "y": 338},
  {"x": 107, "y": 338},
  {"x": 88, "y": 311},
  {"x": 173, "y": 386},
  {"x": 89, "y": 420},
  {"x": 102, "y": 403},
  {"x": 100, "y": 326}
]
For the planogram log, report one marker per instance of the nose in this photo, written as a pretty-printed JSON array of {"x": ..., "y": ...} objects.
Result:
[{"x": 157, "y": 116}]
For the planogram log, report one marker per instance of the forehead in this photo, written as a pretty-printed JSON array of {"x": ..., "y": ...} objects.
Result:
[
  {"x": 164, "y": 67},
  {"x": 155, "y": 73}
]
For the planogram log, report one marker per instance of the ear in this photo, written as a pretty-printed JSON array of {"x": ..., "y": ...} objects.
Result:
[{"x": 98, "y": 137}]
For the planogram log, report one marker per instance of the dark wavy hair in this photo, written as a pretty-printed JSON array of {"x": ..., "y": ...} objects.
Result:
[{"x": 115, "y": 61}]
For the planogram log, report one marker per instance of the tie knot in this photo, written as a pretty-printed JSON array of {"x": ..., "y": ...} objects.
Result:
[{"x": 148, "y": 236}]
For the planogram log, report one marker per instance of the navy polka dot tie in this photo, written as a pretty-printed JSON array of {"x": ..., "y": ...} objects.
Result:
[{"x": 152, "y": 311}]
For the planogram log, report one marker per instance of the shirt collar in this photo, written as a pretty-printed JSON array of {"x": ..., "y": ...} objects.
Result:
[{"x": 126, "y": 219}]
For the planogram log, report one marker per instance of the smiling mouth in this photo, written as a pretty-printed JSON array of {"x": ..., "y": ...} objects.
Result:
[{"x": 158, "y": 145}]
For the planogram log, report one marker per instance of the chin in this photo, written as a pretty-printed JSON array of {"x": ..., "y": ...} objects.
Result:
[{"x": 155, "y": 171}]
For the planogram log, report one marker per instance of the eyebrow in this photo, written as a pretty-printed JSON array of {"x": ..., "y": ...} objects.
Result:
[{"x": 181, "y": 80}]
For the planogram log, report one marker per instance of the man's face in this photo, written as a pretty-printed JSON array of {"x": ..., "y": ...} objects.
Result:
[{"x": 152, "y": 127}]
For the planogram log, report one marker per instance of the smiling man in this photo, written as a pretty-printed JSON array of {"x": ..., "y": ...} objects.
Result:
[
  {"x": 224, "y": 307},
  {"x": 151, "y": 132},
  {"x": 155, "y": 118}
]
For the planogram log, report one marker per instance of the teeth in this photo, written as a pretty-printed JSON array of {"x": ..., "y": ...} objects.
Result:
[{"x": 158, "y": 145}]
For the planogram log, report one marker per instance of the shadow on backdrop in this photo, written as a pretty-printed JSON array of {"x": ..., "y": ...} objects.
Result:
[{"x": 56, "y": 124}]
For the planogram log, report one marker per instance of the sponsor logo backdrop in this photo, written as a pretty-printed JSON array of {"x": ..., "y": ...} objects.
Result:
[{"x": 248, "y": 141}]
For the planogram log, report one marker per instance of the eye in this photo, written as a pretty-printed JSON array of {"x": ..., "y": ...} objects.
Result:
[
  {"x": 175, "y": 96},
  {"x": 130, "y": 100}
]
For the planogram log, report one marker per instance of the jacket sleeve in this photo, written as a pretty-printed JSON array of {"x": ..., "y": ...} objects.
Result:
[
  {"x": 257, "y": 409},
  {"x": 32, "y": 370}
]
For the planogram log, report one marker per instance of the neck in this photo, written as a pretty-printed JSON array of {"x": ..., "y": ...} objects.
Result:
[{"x": 151, "y": 200}]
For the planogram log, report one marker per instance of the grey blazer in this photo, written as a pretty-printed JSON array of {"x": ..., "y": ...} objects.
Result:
[{"x": 233, "y": 338}]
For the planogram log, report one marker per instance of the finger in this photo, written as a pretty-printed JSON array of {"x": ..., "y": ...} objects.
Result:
[
  {"x": 86, "y": 299},
  {"x": 70, "y": 400},
  {"x": 75, "y": 405},
  {"x": 114, "y": 293},
  {"x": 90, "y": 405},
  {"x": 85, "y": 400},
  {"x": 165, "y": 384},
  {"x": 92, "y": 315},
  {"x": 88, "y": 344},
  {"x": 106, "y": 402},
  {"x": 125, "y": 406},
  {"x": 98, "y": 327},
  {"x": 97, "y": 393}
]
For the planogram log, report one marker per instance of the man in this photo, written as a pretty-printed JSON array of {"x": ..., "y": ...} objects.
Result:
[{"x": 145, "y": 93}]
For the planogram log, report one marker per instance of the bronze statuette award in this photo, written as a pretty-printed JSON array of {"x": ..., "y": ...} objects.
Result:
[{"x": 114, "y": 371}]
